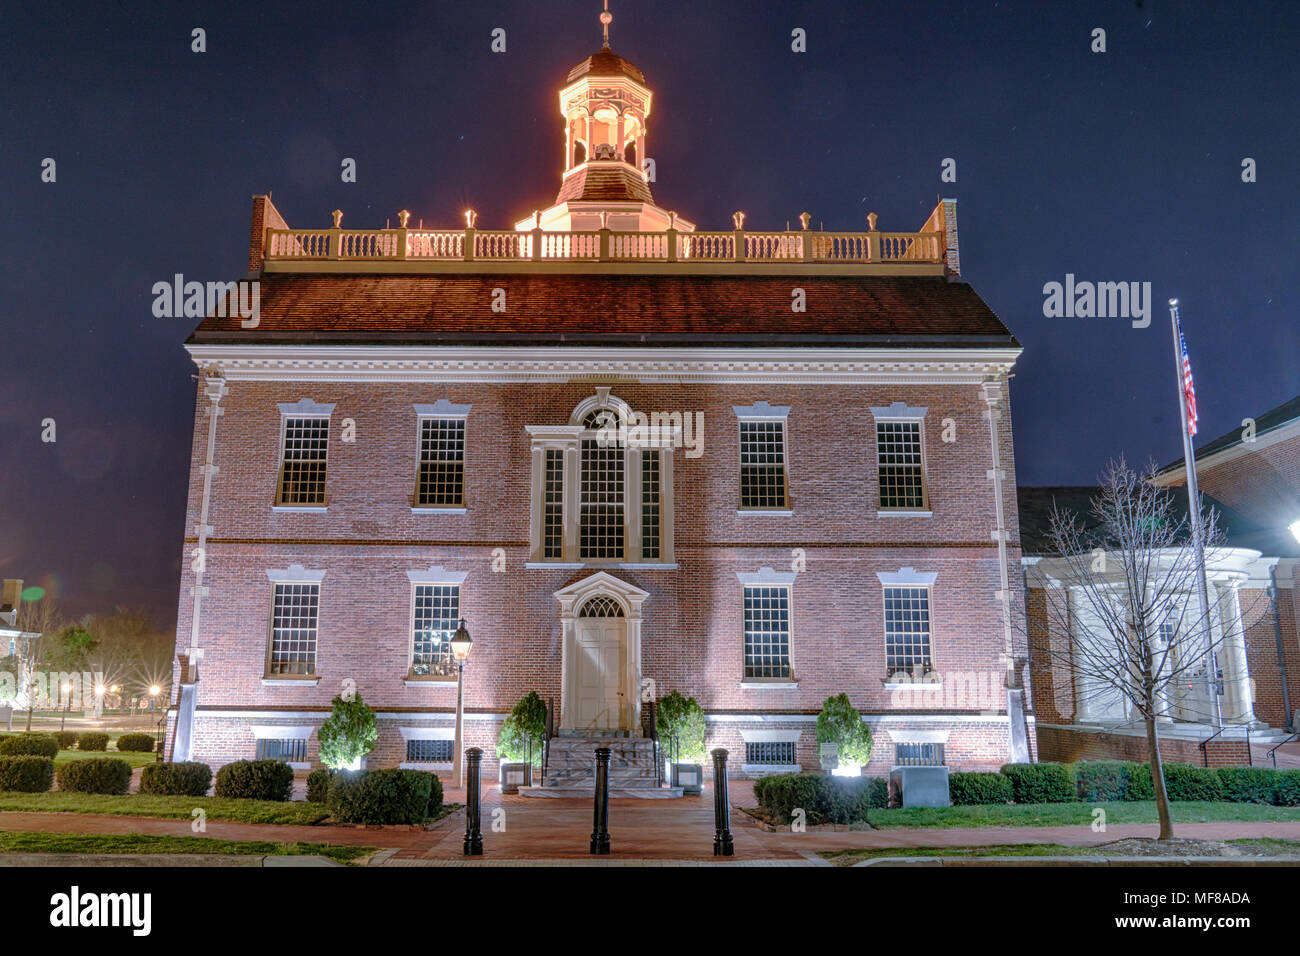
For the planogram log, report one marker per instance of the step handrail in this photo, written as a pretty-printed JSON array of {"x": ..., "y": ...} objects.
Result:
[{"x": 1272, "y": 754}]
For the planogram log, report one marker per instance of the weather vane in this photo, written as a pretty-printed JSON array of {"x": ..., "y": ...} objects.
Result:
[{"x": 606, "y": 18}]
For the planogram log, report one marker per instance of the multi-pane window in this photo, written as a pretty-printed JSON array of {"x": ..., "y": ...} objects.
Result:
[
  {"x": 907, "y": 630},
  {"x": 902, "y": 476},
  {"x": 430, "y": 751},
  {"x": 290, "y": 750},
  {"x": 600, "y": 513},
  {"x": 762, "y": 464},
  {"x": 437, "y": 615},
  {"x": 774, "y": 753},
  {"x": 918, "y": 755},
  {"x": 441, "y": 481},
  {"x": 293, "y": 629},
  {"x": 767, "y": 632},
  {"x": 650, "y": 523},
  {"x": 553, "y": 504},
  {"x": 302, "y": 471}
]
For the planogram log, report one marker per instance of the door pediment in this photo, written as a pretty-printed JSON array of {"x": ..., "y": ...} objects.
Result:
[{"x": 573, "y": 596}]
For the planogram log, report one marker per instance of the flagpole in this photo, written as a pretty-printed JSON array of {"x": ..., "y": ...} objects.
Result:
[{"x": 1194, "y": 511}]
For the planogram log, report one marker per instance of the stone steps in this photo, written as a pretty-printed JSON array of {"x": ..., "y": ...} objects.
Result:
[{"x": 571, "y": 769}]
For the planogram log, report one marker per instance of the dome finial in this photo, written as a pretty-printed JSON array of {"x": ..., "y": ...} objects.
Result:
[{"x": 606, "y": 18}]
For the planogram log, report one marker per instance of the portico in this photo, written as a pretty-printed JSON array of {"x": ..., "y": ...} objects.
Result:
[{"x": 600, "y": 619}]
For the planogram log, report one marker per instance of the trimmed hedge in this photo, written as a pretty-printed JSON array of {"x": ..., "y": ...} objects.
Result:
[
  {"x": 176, "y": 779},
  {"x": 136, "y": 743},
  {"x": 92, "y": 740},
  {"x": 26, "y": 774},
  {"x": 1247, "y": 784},
  {"x": 97, "y": 775},
  {"x": 29, "y": 745},
  {"x": 1107, "y": 781},
  {"x": 255, "y": 780},
  {"x": 824, "y": 799},
  {"x": 971, "y": 789},
  {"x": 1286, "y": 788},
  {"x": 1040, "y": 782},
  {"x": 380, "y": 796},
  {"x": 318, "y": 785},
  {"x": 435, "y": 795},
  {"x": 67, "y": 739},
  {"x": 1185, "y": 781}
]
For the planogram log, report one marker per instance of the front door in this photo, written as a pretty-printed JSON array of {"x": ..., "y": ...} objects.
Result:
[{"x": 601, "y": 666}]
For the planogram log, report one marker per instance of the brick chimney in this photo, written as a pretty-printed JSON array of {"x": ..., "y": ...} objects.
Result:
[{"x": 9, "y": 601}]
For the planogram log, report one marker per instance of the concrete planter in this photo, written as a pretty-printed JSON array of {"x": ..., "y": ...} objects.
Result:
[
  {"x": 919, "y": 786},
  {"x": 512, "y": 776},
  {"x": 688, "y": 776}
]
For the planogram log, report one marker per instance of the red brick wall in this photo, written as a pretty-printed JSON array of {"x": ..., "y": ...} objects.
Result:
[
  {"x": 1263, "y": 485},
  {"x": 1066, "y": 745}
]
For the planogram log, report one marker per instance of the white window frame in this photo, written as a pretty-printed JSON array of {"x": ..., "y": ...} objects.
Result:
[
  {"x": 908, "y": 578},
  {"x": 439, "y": 411},
  {"x": 768, "y": 578},
  {"x": 435, "y": 576},
  {"x": 900, "y": 412},
  {"x": 771, "y": 736},
  {"x": 271, "y": 732},
  {"x": 294, "y": 574},
  {"x": 763, "y": 412},
  {"x": 303, "y": 408}
]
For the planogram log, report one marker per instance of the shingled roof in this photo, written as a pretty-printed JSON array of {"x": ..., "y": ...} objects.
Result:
[
  {"x": 667, "y": 310},
  {"x": 605, "y": 63},
  {"x": 600, "y": 182}
]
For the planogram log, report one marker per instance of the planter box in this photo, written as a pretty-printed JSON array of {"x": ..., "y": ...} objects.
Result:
[
  {"x": 512, "y": 776},
  {"x": 688, "y": 776},
  {"x": 919, "y": 786}
]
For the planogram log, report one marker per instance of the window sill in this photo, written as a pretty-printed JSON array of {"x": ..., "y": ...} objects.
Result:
[
  {"x": 430, "y": 682},
  {"x": 422, "y": 510},
  {"x": 296, "y": 765},
  {"x": 779, "y": 512},
  {"x": 446, "y": 767},
  {"x": 298, "y": 509},
  {"x": 290, "y": 681},
  {"x": 768, "y": 684},
  {"x": 771, "y": 768},
  {"x": 914, "y": 685},
  {"x": 904, "y": 514}
]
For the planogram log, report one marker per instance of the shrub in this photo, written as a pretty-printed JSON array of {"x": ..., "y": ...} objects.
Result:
[
  {"x": 1286, "y": 788},
  {"x": 878, "y": 792},
  {"x": 840, "y": 723},
  {"x": 26, "y": 774},
  {"x": 135, "y": 743},
  {"x": 93, "y": 741},
  {"x": 523, "y": 731},
  {"x": 29, "y": 745},
  {"x": 176, "y": 779},
  {"x": 348, "y": 733},
  {"x": 680, "y": 725},
  {"x": 255, "y": 780},
  {"x": 435, "y": 795},
  {"x": 824, "y": 799},
  {"x": 1040, "y": 782},
  {"x": 380, "y": 796},
  {"x": 1183, "y": 781},
  {"x": 67, "y": 739},
  {"x": 973, "y": 789},
  {"x": 318, "y": 785},
  {"x": 1140, "y": 786},
  {"x": 97, "y": 775},
  {"x": 1247, "y": 784}
]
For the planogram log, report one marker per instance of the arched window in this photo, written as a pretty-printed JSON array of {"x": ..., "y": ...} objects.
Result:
[
  {"x": 629, "y": 153},
  {"x": 601, "y": 607},
  {"x": 601, "y": 505},
  {"x": 579, "y": 153}
]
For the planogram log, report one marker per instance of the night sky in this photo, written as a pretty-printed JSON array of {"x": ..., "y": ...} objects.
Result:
[{"x": 1122, "y": 166}]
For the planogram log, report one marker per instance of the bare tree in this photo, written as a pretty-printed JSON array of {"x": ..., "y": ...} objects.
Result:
[
  {"x": 41, "y": 617},
  {"x": 1137, "y": 628}
]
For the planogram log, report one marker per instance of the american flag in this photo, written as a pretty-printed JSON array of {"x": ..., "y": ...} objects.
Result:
[{"x": 1189, "y": 392}]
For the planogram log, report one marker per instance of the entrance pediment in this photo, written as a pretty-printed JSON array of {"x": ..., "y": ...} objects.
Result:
[{"x": 573, "y": 596}]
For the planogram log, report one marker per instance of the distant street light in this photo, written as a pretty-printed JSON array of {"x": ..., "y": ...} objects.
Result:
[
  {"x": 67, "y": 689},
  {"x": 154, "y": 691}
]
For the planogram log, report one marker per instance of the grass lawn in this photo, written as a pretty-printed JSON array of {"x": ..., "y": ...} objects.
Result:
[
  {"x": 849, "y": 857},
  {"x": 1076, "y": 814},
  {"x": 174, "y": 808},
  {"x": 134, "y": 759},
  {"x": 41, "y": 842}
]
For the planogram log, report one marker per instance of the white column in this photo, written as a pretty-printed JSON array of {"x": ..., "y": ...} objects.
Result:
[
  {"x": 572, "y": 478},
  {"x": 1239, "y": 705},
  {"x": 666, "y": 515},
  {"x": 536, "y": 522},
  {"x": 632, "y": 504}
]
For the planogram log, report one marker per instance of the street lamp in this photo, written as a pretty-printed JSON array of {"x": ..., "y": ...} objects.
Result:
[
  {"x": 154, "y": 691},
  {"x": 67, "y": 689},
  {"x": 461, "y": 645},
  {"x": 100, "y": 690}
]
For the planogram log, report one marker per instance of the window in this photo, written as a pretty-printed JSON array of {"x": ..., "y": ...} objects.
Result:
[
  {"x": 773, "y": 753},
  {"x": 918, "y": 755},
  {"x": 650, "y": 505},
  {"x": 898, "y": 456},
  {"x": 553, "y": 505},
  {"x": 288, "y": 750},
  {"x": 907, "y": 631},
  {"x": 441, "y": 481},
  {"x": 762, "y": 464},
  {"x": 430, "y": 751},
  {"x": 767, "y": 632},
  {"x": 437, "y": 615},
  {"x": 302, "y": 469},
  {"x": 293, "y": 630},
  {"x": 600, "y": 512},
  {"x": 601, "y": 607}
]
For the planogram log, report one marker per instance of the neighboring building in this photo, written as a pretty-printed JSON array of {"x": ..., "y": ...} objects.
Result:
[{"x": 417, "y": 432}]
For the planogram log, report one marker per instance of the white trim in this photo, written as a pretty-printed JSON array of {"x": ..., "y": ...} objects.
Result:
[
  {"x": 305, "y": 407},
  {"x": 437, "y": 511},
  {"x": 770, "y": 736},
  {"x": 779, "y": 512},
  {"x": 907, "y": 577},
  {"x": 904, "y": 514},
  {"x": 899, "y": 412},
  {"x": 427, "y": 767},
  {"x": 429, "y": 682},
  {"x": 437, "y": 575},
  {"x": 602, "y": 399},
  {"x": 915, "y": 685},
  {"x": 906, "y": 736},
  {"x": 273, "y": 732},
  {"x": 299, "y": 509},
  {"x": 442, "y": 409},
  {"x": 427, "y": 733},
  {"x": 294, "y": 574},
  {"x": 769, "y": 684},
  {"x": 771, "y": 768},
  {"x": 765, "y": 576},
  {"x": 290, "y": 682},
  {"x": 762, "y": 411}
]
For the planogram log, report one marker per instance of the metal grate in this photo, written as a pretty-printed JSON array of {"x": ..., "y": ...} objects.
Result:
[
  {"x": 898, "y": 455},
  {"x": 907, "y": 630},
  {"x": 437, "y": 615},
  {"x": 650, "y": 515},
  {"x": 601, "y": 607},
  {"x": 442, "y": 462},
  {"x": 293, "y": 629},
  {"x": 553, "y": 505},
  {"x": 762, "y": 465},
  {"x": 302, "y": 472},
  {"x": 773, "y": 753},
  {"x": 601, "y": 530},
  {"x": 918, "y": 755},
  {"x": 430, "y": 751},
  {"x": 275, "y": 748},
  {"x": 767, "y": 632}
]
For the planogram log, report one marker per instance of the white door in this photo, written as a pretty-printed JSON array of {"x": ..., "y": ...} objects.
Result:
[{"x": 600, "y": 674}]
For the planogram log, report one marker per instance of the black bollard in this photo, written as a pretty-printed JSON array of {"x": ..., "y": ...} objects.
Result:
[
  {"x": 473, "y": 812},
  {"x": 722, "y": 844},
  {"x": 600, "y": 818}
]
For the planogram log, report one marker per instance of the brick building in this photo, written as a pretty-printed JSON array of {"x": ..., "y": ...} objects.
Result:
[{"x": 758, "y": 468}]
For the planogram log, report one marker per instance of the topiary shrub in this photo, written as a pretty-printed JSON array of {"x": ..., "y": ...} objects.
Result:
[
  {"x": 1247, "y": 784},
  {"x": 824, "y": 799},
  {"x": 29, "y": 745},
  {"x": 93, "y": 741},
  {"x": 255, "y": 780},
  {"x": 135, "y": 743},
  {"x": 435, "y": 795},
  {"x": 26, "y": 774},
  {"x": 348, "y": 733},
  {"x": 67, "y": 739},
  {"x": 176, "y": 779},
  {"x": 978, "y": 789},
  {"x": 878, "y": 792},
  {"x": 318, "y": 785},
  {"x": 1183, "y": 782},
  {"x": 522, "y": 732},
  {"x": 840, "y": 723},
  {"x": 1286, "y": 788},
  {"x": 380, "y": 796},
  {"x": 1040, "y": 782},
  {"x": 680, "y": 725},
  {"x": 110, "y": 775}
]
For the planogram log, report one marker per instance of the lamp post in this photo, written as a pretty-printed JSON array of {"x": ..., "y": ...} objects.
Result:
[
  {"x": 154, "y": 691},
  {"x": 67, "y": 689},
  {"x": 461, "y": 645}
]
